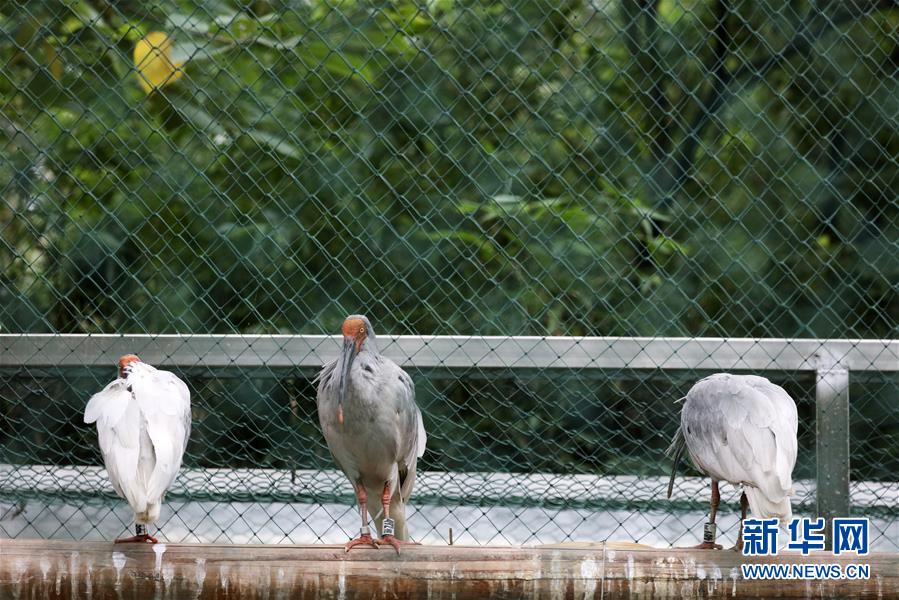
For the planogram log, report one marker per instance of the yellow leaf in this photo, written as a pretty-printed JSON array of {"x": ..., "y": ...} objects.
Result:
[{"x": 153, "y": 60}]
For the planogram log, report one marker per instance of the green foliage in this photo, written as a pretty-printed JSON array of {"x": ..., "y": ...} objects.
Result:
[
  {"x": 469, "y": 167},
  {"x": 541, "y": 168}
]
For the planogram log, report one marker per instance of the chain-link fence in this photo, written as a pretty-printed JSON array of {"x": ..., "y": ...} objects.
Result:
[{"x": 622, "y": 168}]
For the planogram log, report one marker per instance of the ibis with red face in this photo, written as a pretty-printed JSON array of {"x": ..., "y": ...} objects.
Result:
[
  {"x": 374, "y": 429},
  {"x": 143, "y": 424}
]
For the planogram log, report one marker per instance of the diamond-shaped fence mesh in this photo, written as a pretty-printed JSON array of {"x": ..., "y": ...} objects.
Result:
[{"x": 524, "y": 168}]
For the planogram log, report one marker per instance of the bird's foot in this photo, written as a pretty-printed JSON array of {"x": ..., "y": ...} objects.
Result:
[
  {"x": 396, "y": 543},
  {"x": 362, "y": 540},
  {"x": 707, "y": 546},
  {"x": 708, "y": 531},
  {"x": 143, "y": 538}
]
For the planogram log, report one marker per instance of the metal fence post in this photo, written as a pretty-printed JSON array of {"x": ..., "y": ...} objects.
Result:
[{"x": 832, "y": 438}]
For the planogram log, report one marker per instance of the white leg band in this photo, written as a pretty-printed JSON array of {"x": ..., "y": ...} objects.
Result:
[{"x": 387, "y": 527}]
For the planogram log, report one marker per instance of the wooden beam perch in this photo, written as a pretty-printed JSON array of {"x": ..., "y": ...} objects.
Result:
[{"x": 70, "y": 569}]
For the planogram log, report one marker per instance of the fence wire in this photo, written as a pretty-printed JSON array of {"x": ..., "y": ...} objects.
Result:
[{"x": 625, "y": 168}]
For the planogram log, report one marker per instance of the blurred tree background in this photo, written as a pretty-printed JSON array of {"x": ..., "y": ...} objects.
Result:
[{"x": 529, "y": 167}]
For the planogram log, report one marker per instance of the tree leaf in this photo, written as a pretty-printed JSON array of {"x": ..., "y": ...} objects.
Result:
[
  {"x": 276, "y": 143},
  {"x": 153, "y": 61}
]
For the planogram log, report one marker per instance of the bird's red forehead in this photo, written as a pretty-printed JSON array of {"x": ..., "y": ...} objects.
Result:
[
  {"x": 354, "y": 328},
  {"x": 128, "y": 359}
]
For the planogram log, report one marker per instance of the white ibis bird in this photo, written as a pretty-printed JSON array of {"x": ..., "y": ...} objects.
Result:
[
  {"x": 367, "y": 411},
  {"x": 740, "y": 429},
  {"x": 143, "y": 423}
]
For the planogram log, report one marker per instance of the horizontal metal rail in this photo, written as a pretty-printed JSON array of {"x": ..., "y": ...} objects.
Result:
[
  {"x": 484, "y": 352},
  {"x": 831, "y": 360}
]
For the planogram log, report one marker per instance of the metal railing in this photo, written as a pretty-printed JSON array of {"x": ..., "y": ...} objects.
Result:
[
  {"x": 458, "y": 351},
  {"x": 521, "y": 168},
  {"x": 831, "y": 361}
]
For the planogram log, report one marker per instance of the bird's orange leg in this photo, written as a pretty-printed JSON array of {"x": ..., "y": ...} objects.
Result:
[
  {"x": 364, "y": 535},
  {"x": 141, "y": 536},
  {"x": 744, "y": 506},
  {"x": 387, "y": 536},
  {"x": 708, "y": 541}
]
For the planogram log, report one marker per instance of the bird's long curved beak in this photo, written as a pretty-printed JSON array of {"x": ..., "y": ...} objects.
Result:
[{"x": 346, "y": 361}]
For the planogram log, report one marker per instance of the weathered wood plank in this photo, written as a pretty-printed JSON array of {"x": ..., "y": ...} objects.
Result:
[{"x": 65, "y": 569}]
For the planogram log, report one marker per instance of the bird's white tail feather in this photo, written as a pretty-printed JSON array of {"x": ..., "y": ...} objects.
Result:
[
  {"x": 408, "y": 484},
  {"x": 167, "y": 462},
  {"x": 150, "y": 515},
  {"x": 764, "y": 508},
  {"x": 136, "y": 498}
]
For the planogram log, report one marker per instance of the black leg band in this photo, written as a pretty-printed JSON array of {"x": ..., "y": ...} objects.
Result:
[{"x": 708, "y": 533}]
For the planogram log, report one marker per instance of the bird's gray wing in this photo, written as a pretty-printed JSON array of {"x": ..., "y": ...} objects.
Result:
[
  {"x": 675, "y": 451},
  {"x": 713, "y": 421},
  {"x": 414, "y": 439},
  {"x": 327, "y": 407},
  {"x": 731, "y": 432},
  {"x": 784, "y": 423}
]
